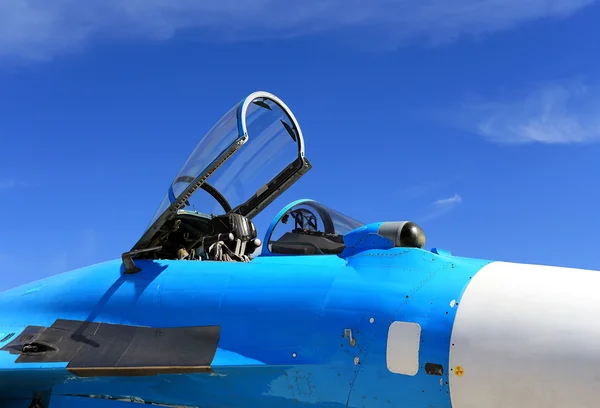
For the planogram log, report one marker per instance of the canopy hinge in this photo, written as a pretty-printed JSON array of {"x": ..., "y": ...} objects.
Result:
[{"x": 127, "y": 258}]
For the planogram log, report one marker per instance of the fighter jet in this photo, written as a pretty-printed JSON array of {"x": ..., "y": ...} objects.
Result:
[{"x": 333, "y": 312}]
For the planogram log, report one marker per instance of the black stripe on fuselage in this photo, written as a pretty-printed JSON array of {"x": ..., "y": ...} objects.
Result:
[{"x": 106, "y": 349}]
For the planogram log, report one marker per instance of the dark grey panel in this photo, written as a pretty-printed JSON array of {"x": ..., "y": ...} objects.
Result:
[{"x": 116, "y": 349}]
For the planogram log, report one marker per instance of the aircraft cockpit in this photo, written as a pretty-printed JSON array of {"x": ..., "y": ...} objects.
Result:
[
  {"x": 306, "y": 227},
  {"x": 248, "y": 159}
]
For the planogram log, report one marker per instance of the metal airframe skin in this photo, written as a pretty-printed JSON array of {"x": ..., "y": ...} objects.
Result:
[
  {"x": 282, "y": 321},
  {"x": 348, "y": 315}
]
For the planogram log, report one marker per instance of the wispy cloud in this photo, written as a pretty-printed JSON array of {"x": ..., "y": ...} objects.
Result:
[
  {"x": 448, "y": 202},
  {"x": 441, "y": 207},
  {"x": 40, "y": 29},
  {"x": 9, "y": 184},
  {"x": 424, "y": 187},
  {"x": 554, "y": 113},
  {"x": 416, "y": 190}
]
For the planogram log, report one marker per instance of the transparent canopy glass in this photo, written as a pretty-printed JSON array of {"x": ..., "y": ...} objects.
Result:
[
  {"x": 248, "y": 158},
  {"x": 307, "y": 227}
]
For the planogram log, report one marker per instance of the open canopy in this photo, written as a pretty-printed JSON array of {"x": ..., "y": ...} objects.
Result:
[{"x": 249, "y": 158}]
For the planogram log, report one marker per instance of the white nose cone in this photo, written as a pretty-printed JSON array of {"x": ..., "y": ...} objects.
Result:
[{"x": 527, "y": 336}]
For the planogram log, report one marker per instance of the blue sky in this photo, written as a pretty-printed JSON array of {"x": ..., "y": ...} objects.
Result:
[{"x": 477, "y": 119}]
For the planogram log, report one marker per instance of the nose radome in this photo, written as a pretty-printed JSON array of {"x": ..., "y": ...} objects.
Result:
[{"x": 527, "y": 336}]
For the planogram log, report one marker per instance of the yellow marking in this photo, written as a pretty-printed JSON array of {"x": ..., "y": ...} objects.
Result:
[{"x": 459, "y": 371}]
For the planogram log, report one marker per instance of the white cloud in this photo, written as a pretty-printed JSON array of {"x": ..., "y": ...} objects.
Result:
[
  {"x": 556, "y": 113},
  {"x": 448, "y": 202},
  {"x": 441, "y": 207},
  {"x": 10, "y": 184},
  {"x": 39, "y": 29},
  {"x": 7, "y": 184}
]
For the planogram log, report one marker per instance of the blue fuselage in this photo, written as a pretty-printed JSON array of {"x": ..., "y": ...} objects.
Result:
[{"x": 308, "y": 329}]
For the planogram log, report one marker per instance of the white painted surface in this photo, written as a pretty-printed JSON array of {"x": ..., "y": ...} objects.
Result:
[
  {"x": 403, "y": 342},
  {"x": 527, "y": 336}
]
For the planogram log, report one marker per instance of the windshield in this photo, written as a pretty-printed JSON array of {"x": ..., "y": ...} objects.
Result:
[
  {"x": 308, "y": 227},
  {"x": 248, "y": 158}
]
